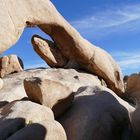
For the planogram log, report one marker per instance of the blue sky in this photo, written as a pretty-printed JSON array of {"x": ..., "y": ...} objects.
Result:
[{"x": 113, "y": 25}]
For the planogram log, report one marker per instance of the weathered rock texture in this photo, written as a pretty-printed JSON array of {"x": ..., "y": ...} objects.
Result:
[
  {"x": 68, "y": 77},
  {"x": 15, "y": 16},
  {"x": 10, "y": 64},
  {"x": 25, "y": 120},
  {"x": 133, "y": 88},
  {"x": 49, "y": 93}
]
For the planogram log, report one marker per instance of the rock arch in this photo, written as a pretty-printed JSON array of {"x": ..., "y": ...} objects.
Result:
[{"x": 16, "y": 15}]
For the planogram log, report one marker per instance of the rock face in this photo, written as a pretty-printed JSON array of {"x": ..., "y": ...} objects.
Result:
[
  {"x": 85, "y": 105},
  {"x": 49, "y": 52},
  {"x": 68, "y": 77},
  {"x": 1, "y": 83},
  {"x": 49, "y": 93},
  {"x": 26, "y": 120},
  {"x": 97, "y": 114},
  {"x": 133, "y": 87},
  {"x": 69, "y": 42},
  {"x": 136, "y": 122},
  {"x": 10, "y": 64}
]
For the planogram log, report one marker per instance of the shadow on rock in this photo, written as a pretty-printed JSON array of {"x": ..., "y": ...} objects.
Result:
[
  {"x": 18, "y": 129},
  {"x": 3, "y": 103},
  {"x": 135, "y": 118},
  {"x": 96, "y": 115}
]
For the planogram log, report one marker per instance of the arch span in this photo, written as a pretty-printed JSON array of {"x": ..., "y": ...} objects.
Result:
[{"x": 42, "y": 13}]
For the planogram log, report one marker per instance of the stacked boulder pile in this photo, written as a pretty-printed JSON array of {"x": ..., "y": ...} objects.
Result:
[{"x": 80, "y": 97}]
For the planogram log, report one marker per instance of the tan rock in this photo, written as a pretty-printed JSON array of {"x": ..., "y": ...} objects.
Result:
[
  {"x": 68, "y": 77},
  {"x": 15, "y": 16},
  {"x": 1, "y": 83},
  {"x": 49, "y": 52},
  {"x": 50, "y": 93},
  {"x": 108, "y": 65},
  {"x": 133, "y": 88},
  {"x": 13, "y": 88},
  {"x": 97, "y": 114},
  {"x": 27, "y": 120},
  {"x": 10, "y": 64}
]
